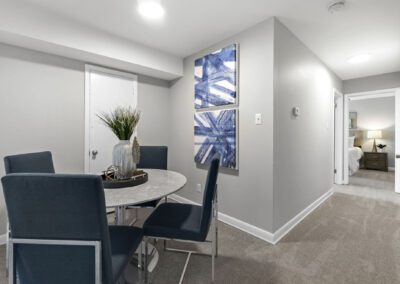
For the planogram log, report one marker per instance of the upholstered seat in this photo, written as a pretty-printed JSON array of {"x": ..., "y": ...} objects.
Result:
[
  {"x": 187, "y": 222},
  {"x": 124, "y": 241},
  {"x": 59, "y": 208},
  {"x": 175, "y": 221}
]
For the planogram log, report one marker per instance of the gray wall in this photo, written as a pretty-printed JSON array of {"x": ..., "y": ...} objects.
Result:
[
  {"x": 303, "y": 145},
  {"x": 247, "y": 193},
  {"x": 372, "y": 83},
  {"x": 375, "y": 114},
  {"x": 42, "y": 108}
]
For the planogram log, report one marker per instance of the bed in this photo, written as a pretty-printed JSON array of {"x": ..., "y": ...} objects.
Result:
[{"x": 355, "y": 154}]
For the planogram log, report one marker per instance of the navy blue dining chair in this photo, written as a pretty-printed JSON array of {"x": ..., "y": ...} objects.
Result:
[
  {"x": 151, "y": 157},
  {"x": 187, "y": 222},
  {"x": 40, "y": 162},
  {"x": 59, "y": 231}
]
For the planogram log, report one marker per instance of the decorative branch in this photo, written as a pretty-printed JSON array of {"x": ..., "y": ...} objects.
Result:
[{"x": 122, "y": 121}]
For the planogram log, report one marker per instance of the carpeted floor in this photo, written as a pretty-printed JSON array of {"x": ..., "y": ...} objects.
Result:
[{"x": 348, "y": 239}]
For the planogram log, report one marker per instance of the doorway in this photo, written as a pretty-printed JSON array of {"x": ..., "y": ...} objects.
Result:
[
  {"x": 105, "y": 89},
  {"x": 371, "y": 139},
  {"x": 338, "y": 136}
]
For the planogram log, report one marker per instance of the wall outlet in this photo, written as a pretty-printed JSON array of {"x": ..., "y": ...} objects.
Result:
[{"x": 198, "y": 187}]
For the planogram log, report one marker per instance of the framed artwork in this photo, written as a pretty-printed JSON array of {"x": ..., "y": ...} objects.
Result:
[
  {"x": 216, "y": 78},
  {"x": 216, "y": 132}
]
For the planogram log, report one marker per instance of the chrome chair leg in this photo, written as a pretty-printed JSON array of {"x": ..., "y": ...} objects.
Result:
[
  {"x": 146, "y": 260},
  {"x": 7, "y": 247},
  {"x": 140, "y": 254}
]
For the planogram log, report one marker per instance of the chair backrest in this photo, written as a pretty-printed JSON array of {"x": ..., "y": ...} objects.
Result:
[
  {"x": 153, "y": 157},
  {"x": 57, "y": 207},
  {"x": 41, "y": 162},
  {"x": 208, "y": 197}
]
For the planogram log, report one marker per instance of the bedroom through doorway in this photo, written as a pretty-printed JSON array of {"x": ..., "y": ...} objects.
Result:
[{"x": 370, "y": 122}]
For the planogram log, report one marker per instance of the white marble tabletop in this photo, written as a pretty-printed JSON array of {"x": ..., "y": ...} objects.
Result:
[{"x": 161, "y": 183}]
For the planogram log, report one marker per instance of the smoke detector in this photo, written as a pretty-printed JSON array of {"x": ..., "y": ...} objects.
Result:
[{"x": 336, "y": 6}]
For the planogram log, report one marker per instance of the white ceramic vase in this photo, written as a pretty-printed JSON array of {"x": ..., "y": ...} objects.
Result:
[{"x": 123, "y": 159}]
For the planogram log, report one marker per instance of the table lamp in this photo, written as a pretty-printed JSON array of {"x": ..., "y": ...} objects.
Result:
[{"x": 374, "y": 134}]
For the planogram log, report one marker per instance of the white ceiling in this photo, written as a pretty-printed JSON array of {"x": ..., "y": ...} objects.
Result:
[{"x": 371, "y": 26}]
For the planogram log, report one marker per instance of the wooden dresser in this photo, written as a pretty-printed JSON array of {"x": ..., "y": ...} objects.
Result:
[{"x": 375, "y": 161}]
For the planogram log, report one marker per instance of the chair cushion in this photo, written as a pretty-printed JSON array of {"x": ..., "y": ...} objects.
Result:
[
  {"x": 175, "y": 221},
  {"x": 124, "y": 242}
]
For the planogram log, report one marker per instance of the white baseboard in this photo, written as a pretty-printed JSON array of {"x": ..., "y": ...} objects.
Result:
[
  {"x": 3, "y": 239},
  {"x": 391, "y": 169},
  {"x": 282, "y": 231},
  {"x": 239, "y": 224},
  {"x": 265, "y": 235}
]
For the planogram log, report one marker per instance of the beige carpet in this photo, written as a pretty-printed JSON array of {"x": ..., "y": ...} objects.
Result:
[{"x": 348, "y": 239}]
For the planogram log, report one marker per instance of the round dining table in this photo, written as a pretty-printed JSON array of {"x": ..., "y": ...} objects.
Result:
[{"x": 160, "y": 184}]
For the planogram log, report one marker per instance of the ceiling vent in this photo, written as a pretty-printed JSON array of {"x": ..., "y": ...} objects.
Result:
[{"x": 336, "y": 6}]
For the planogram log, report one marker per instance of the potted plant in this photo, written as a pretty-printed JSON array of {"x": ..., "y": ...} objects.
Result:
[
  {"x": 123, "y": 121},
  {"x": 381, "y": 147}
]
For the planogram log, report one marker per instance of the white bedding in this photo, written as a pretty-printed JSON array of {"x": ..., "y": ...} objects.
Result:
[{"x": 355, "y": 154}]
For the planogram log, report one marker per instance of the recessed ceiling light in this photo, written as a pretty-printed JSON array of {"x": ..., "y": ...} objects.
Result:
[
  {"x": 360, "y": 58},
  {"x": 151, "y": 9}
]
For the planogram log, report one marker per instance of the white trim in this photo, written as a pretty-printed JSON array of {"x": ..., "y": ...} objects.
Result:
[
  {"x": 239, "y": 224},
  {"x": 338, "y": 136},
  {"x": 397, "y": 141},
  {"x": 272, "y": 238},
  {"x": 3, "y": 239},
  {"x": 88, "y": 70},
  {"x": 282, "y": 231},
  {"x": 373, "y": 94},
  {"x": 345, "y": 139}
]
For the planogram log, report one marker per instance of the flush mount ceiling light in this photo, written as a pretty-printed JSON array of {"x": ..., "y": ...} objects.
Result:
[
  {"x": 359, "y": 58},
  {"x": 151, "y": 9},
  {"x": 336, "y": 6}
]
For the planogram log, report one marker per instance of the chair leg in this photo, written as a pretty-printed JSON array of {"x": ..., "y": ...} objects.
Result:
[
  {"x": 7, "y": 247},
  {"x": 146, "y": 260},
  {"x": 213, "y": 258},
  {"x": 140, "y": 254}
]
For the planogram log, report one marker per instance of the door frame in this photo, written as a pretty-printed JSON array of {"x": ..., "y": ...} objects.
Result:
[
  {"x": 338, "y": 136},
  {"x": 107, "y": 71},
  {"x": 370, "y": 95}
]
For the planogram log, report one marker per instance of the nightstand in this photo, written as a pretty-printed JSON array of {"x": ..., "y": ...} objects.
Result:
[{"x": 375, "y": 161}]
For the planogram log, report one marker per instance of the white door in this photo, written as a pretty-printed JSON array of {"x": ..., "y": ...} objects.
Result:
[{"x": 105, "y": 89}]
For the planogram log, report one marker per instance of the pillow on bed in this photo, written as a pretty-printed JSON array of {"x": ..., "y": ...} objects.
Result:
[{"x": 351, "y": 141}]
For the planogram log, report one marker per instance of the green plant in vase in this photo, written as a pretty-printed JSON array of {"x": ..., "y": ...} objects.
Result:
[{"x": 122, "y": 121}]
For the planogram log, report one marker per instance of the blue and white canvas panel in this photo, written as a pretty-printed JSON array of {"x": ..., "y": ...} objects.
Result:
[
  {"x": 215, "y": 132},
  {"x": 215, "y": 78}
]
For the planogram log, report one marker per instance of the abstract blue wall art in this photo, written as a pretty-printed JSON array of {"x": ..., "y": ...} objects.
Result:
[
  {"x": 215, "y": 77},
  {"x": 215, "y": 132}
]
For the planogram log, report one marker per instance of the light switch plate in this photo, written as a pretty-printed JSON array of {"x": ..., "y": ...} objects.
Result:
[{"x": 258, "y": 119}]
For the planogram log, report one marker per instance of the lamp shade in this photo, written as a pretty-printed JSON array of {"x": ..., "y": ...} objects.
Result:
[{"x": 374, "y": 134}]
